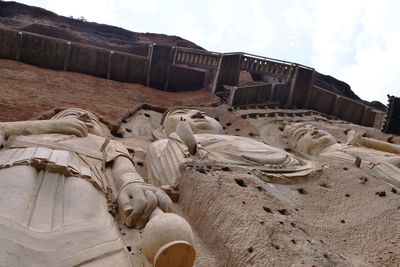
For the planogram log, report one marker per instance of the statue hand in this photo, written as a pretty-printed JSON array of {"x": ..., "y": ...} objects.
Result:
[
  {"x": 68, "y": 126},
  {"x": 137, "y": 201}
]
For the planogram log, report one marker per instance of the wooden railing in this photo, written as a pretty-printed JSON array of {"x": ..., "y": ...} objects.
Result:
[
  {"x": 268, "y": 66},
  {"x": 197, "y": 58}
]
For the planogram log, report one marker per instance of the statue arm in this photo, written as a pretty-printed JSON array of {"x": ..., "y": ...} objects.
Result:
[
  {"x": 379, "y": 145},
  {"x": 185, "y": 133},
  {"x": 136, "y": 199},
  {"x": 357, "y": 139},
  {"x": 62, "y": 126}
]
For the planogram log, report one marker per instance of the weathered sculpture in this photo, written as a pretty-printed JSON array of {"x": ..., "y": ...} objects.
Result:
[
  {"x": 194, "y": 135},
  {"x": 58, "y": 180},
  {"x": 381, "y": 158}
]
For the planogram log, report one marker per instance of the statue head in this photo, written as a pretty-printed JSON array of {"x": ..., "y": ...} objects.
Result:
[
  {"x": 198, "y": 121},
  {"x": 307, "y": 139},
  {"x": 90, "y": 120}
]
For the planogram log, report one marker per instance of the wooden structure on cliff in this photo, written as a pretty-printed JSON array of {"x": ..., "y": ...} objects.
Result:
[
  {"x": 392, "y": 119},
  {"x": 175, "y": 68}
]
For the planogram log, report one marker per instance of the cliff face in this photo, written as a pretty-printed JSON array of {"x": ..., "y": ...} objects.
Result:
[
  {"x": 339, "y": 87},
  {"x": 38, "y": 20}
]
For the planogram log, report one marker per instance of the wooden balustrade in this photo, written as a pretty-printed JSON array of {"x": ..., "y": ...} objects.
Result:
[
  {"x": 197, "y": 58},
  {"x": 261, "y": 65}
]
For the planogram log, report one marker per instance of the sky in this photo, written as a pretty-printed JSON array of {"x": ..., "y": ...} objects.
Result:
[{"x": 357, "y": 41}]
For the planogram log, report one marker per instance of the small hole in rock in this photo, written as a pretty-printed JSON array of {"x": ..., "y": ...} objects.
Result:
[
  {"x": 283, "y": 211},
  {"x": 342, "y": 221},
  {"x": 201, "y": 170},
  {"x": 243, "y": 202},
  {"x": 293, "y": 241},
  {"x": 293, "y": 224},
  {"x": 228, "y": 124},
  {"x": 237, "y": 129},
  {"x": 276, "y": 247},
  {"x": 240, "y": 182},
  {"x": 302, "y": 191},
  {"x": 147, "y": 115},
  {"x": 139, "y": 163},
  {"x": 260, "y": 188},
  {"x": 345, "y": 168},
  {"x": 267, "y": 209},
  {"x": 326, "y": 256},
  {"x": 280, "y": 222},
  {"x": 250, "y": 249},
  {"x": 230, "y": 109},
  {"x": 226, "y": 169},
  {"x": 129, "y": 248},
  {"x": 128, "y": 130}
]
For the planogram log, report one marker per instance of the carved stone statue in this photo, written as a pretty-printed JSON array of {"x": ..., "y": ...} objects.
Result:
[
  {"x": 58, "y": 180},
  {"x": 380, "y": 158},
  {"x": 192, "y": 135}
]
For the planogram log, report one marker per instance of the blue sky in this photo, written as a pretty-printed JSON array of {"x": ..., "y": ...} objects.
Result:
[{"x": 356, "y": 41}]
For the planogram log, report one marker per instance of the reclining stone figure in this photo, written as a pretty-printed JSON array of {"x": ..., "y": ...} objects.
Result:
[
  {"x": 193, "y": 135},
  {"x": 380, "y": 158},
  {"x": 58, "y": 180}
]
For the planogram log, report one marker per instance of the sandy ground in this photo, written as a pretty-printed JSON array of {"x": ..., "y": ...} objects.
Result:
[{"x": 332, "y": 219}]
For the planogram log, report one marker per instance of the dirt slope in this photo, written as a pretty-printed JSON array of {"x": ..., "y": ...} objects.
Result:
[{"x": 27, "y": 91}]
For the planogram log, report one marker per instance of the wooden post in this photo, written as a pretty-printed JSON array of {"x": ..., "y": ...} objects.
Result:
[
  {"x": 239, "y": 68},
  {"x": 332, "y": 109},
  {"x": 308, "y": 95},
  {"x": 17, "y": 58},
  {"x": 149, "y": 56},
  {"x": 335, "y": 111},
  {"x": 214, "y": 87},
  {"x": 109, "y": 64},
  {"x": 292, "y": 86},
  {"x": 66, "y": 57},
  {"x": 174, "y": 51},
  {"x": 271, "y": 95},
  {"x": 232, "y": 95},
  {"x": 363, "y": 114}
]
